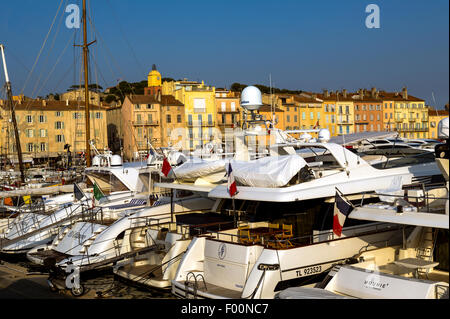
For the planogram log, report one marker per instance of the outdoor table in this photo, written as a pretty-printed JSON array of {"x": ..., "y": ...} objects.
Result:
[{"x": 416, "y": 264}]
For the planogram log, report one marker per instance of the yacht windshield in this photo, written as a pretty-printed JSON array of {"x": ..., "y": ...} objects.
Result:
[{"x": 408, "y": 160}]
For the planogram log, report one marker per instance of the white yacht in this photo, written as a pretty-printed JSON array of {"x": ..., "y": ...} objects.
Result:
[
  {"x": 29, "y": 230},
  {"x": 411, "y": 270}
]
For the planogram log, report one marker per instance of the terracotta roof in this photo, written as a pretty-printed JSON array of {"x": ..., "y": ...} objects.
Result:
[
  {"x": 398, "y": 96},
  {"x": 268, "y": 108},
  {"x": 56, "y": 105},
  {"x": 433, "y": 112},
  {"x": 304, "y": 99},
  {"x": 151, "y": 99}
]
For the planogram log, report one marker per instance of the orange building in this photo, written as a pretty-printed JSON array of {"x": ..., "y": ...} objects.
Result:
[
  {"x": 368, "y": 111},
  {"x": 150, "y": 119}
]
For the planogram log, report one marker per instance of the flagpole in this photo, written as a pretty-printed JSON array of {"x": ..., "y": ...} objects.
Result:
[{"x": 234, "y": 212}]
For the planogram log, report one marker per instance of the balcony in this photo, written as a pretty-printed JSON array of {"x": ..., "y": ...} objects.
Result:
[
  {"x": 399, "y": 119},
  {"x": 411, "y": 119},
  {"x": 200, "y": 124},
  {"x": 145, "y": 123},
  {"x": 413, "y": 129},
  {"x": 228, "y": 111},
  {"x": 424, "y": 119}
]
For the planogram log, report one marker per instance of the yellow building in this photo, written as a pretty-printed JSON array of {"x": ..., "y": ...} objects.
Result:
[
  {"x": 434, "y": 117},
  {"x": 199, "y": 106},
  {"x": 45, "y": 127},
  {"x": 409, "y": 112}
]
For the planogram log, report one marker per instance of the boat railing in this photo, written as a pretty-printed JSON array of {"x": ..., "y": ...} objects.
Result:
[
  {"x": 422, "y": 202},
  {"x": 272, "y": 242}
]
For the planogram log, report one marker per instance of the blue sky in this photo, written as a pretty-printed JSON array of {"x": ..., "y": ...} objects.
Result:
[{"x": 308, "y": 45}]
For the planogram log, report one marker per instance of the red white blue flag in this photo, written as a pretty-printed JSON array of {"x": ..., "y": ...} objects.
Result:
[
  {"x": 166, "y": 168},
  {"x": 231, "y": 187},
  {"x": 342, "y": 209}
]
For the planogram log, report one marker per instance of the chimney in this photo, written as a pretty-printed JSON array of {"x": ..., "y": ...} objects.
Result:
[
  {"x": 361, "y": 94},
  {"x": 377, "y": 93},
  {"x": 344, "y": 93},
  {"x": 159, "y": 96},
  {"x": 44, "y": 103},
  {"x": 325, "y": 93},
  {"x": 405, "y": 93},
  {"x": 372, "y": 92},
  {"x": 67, "y": 102}
]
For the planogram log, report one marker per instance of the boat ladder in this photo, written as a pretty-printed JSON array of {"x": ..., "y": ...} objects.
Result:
[
  {"x": 193, "y": 284},
  {"x": 426, "y": 247}
]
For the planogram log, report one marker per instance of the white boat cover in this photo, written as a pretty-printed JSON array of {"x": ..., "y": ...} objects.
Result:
[
  {"x": 309, "y": 293},
  {"x": 193, "y": 169},
  {"x": 271, "y": 171}
]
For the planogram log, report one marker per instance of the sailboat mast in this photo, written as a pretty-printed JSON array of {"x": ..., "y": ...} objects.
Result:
[
  {"x": 86, "y": 87},
  {"x": 13, "y": 116}
]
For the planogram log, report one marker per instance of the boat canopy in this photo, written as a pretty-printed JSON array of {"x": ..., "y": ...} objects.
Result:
[
  {"x": 197, "y": 168},
  {"x": 272, "y": 171}
]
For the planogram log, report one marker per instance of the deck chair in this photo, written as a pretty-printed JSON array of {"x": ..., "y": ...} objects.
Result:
[
  {"x": 285, "y": 236},
  {"x": 274, "y": 226}
]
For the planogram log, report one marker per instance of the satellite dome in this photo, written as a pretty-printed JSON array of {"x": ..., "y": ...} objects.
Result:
[
  {"x": 324, "y": 135},
  {"x": 443, "y": 128},
  {"x": 251, "y": 98},
  {"x": 116, "y": 160}
]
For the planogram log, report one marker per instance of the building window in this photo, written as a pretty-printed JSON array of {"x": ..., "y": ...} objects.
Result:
[
  {"x": 311, "y": 115},
  {"x": 59, "y": 138},
  {"x": 347, "y": 109},
  {"x": 29, "y": 133},
  {"x": 168, "y": 119},
  {"x": 30, "y": 147},
  {"x": 43, "y": 133},
  {"x": 43, "y": 147},
  {"x": 318, "y": 115},
  {"x": 150, "y": 117},
  {"x": 288, "y": 118},
  {"x": 98, "y": 115},
  {"x": 385, "y": 116},
  {"x": 179, "y": 118},
  {"x": 199, "y": 105},
  {"x": 303, "y": 116},
  {"x": 223, "y": 106},
  {"x": 150, "y": 106},
  {"x": 59, "y": 125},
  {"x": 190, "y": 119},
  {"x": 76, "y": 115},
  {"x": 29, "y": 119},
  {"x": 210, "y": 121},
  {"x": 139, "y": 131},
  {"x": 295, "y": 118},
  {"x": 42, "y": 119},
  {"x": 58, "y": 113},
  {"x": 137, "y": 106},
  {"x": 233, "y": 106}
]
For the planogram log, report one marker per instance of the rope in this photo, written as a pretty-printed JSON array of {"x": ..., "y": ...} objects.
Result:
[{"x": 42, "y": 47}]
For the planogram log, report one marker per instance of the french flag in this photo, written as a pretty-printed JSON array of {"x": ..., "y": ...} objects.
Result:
[
  {"x": 232, "y": 189},
  {"x": 166, "y": 168},
  {"x": 342, "y": 209}
]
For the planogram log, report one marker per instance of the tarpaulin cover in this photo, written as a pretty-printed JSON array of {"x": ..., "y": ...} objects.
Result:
[
  {"x": 271, "y": 171},
  {"x": 193, "y": 169}
]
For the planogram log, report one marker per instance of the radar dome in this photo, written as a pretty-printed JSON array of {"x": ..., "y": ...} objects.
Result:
[
  {"x": 116, "y": 160},
  {"x": 251, "y": 98},
  {"x": 443, "y": 128},
  {"x": 324, "y": 135}
]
